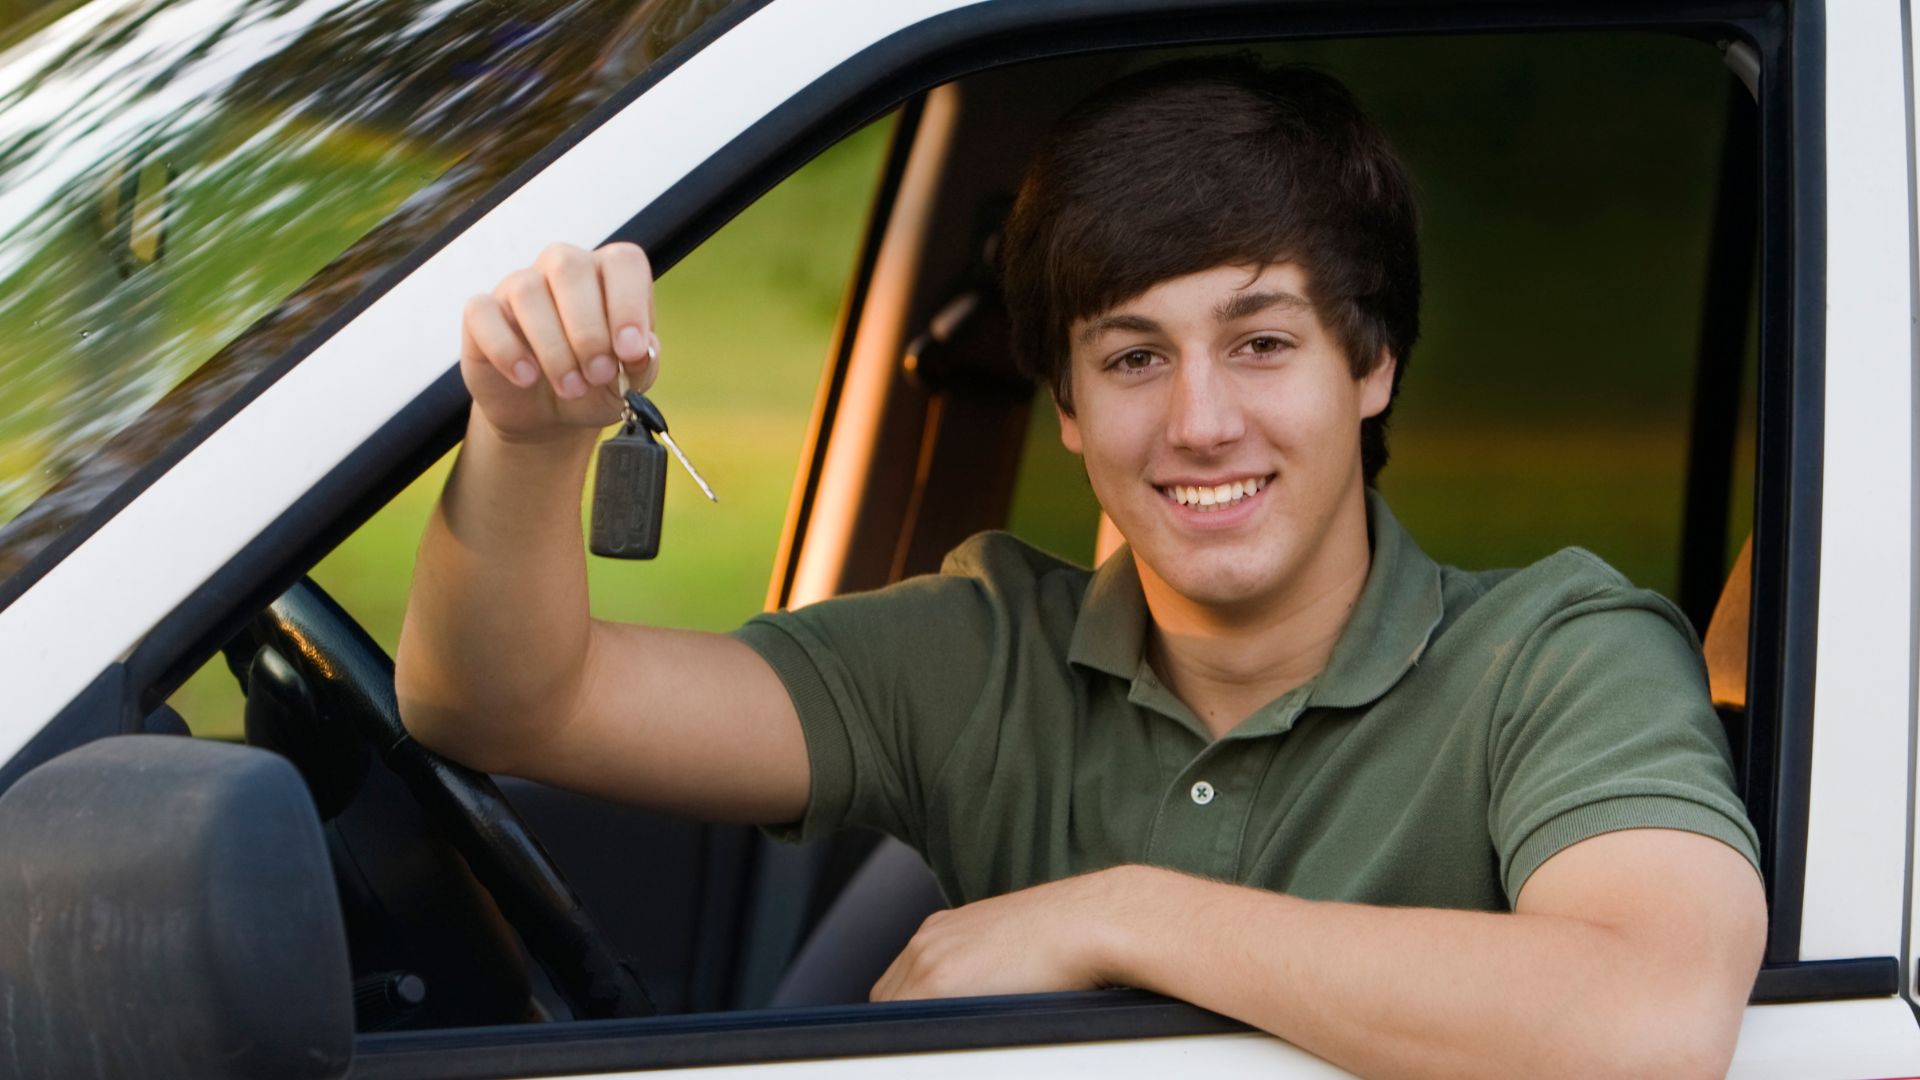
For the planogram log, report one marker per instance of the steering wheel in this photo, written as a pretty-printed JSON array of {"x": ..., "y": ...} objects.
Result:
[{"x": 349, "y": 679}]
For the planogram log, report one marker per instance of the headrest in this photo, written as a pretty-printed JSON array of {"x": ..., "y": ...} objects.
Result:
[{"x": 1726, "y": 642}]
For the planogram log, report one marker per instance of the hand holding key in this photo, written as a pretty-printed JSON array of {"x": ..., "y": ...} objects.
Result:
[{"x": 542, "y": 354}]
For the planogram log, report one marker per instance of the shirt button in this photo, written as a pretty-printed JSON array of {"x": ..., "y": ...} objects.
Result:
[{"x": 1202, "y": 793}]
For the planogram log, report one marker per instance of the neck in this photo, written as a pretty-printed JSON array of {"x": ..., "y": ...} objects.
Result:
[{"x": 1226, "y": 661}]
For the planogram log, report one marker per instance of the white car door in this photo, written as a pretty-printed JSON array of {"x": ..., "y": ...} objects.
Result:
[{"x": 1838, "y": 563}]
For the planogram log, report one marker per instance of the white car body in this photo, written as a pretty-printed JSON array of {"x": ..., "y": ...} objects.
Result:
[{"x": 1858, "y": 898}]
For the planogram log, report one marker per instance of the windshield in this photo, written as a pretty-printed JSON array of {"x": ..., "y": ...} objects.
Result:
[{"x": 188, "y": 187}]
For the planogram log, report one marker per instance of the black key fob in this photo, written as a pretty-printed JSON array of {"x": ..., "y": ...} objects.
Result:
[{"x": 629, "y": 496}]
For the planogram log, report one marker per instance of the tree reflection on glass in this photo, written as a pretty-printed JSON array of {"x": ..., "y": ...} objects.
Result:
[{"x": 189, "y": 187}]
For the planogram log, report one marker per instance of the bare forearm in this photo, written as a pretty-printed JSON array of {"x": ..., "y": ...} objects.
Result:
[
  {"x": 1422, "y": 992},
  {"x": 498, "y": 620}
]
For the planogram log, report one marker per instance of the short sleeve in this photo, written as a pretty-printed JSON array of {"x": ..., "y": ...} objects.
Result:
[
  {"x": 1604, "y": 723},
  {"x": 883, "y": 683}
]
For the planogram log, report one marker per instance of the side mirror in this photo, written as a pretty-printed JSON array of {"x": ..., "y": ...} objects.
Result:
[{"x": 167, "y": 909}]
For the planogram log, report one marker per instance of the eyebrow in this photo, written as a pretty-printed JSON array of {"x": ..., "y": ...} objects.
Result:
[
  {"x": 1138, "y": 324},
  {"x": 1239, "y": 307},
  {"x": 1245, "y": 304}
]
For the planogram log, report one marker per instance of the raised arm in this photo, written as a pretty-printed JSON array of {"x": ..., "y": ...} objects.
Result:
[{"x": 500, "y": 663}]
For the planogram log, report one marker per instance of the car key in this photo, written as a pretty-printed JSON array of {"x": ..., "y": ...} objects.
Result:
[
  {"x": 647, "y": 415},
  {"x": 630, "y": 484}
]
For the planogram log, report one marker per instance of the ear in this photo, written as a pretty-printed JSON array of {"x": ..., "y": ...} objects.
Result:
[
  {"x": 1069, "y": 429},
  {"x": 1376, "y": 386}
]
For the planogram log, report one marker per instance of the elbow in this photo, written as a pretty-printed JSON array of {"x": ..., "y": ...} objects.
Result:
[
  {"x": 458, "y": 724},
  {"x": 1683, "y": 1055},
  {"x": 1684, "y": 1003},
  {"x": 1683, "y": 1058},
  {"x": 434, "y": 727},
  {"x": 413, "y": 693},
  {"x": 445, "y": 727},
  {"x": 1680, "y": 1036},
  {"x": 442, "y": 731},
  {"x": 413, "y": 701}
]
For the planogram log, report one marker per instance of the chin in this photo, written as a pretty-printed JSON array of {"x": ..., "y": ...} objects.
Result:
[
  {"x": 1226, "y": 592},
  {"x": 1225, "y": 580}
]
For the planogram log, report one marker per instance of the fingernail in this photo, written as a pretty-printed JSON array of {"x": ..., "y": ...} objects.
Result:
[
  {"x": 628, "y": 343},
  {"x": 525, "y": 373},
  {"x": 653, "y": 341},
  {"x": 600, "y": 370},
  {"x": 571, "y": 385}
]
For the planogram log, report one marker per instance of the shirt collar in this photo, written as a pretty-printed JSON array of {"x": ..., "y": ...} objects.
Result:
[
  {"x": 1399, "y": 608},
  {"x": 1111, "y": 630}
]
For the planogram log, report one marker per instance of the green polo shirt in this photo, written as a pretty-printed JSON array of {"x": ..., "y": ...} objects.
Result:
[{"x": 1001, "y": 717}]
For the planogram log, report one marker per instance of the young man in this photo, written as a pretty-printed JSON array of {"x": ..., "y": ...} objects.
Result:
[{"x": 1269, "y": 758}]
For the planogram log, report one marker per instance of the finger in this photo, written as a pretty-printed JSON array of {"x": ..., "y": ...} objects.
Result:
[
  {"x": 525, "y": 295},
  {"x": 883, "y": 990},
  {"x": 627, "y": 280},
  {"x": 888, "y": 986},
  {"x": 640, "y": 375},
  {"x": 574, "y": 282},
  {"x": 488, "y": 336},
  {"x": 476, "y": 371}
]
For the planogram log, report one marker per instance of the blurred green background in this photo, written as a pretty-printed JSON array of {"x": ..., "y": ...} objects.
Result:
[
  {"x": 1567, "y": 186},
  {"x": 745, "y": 322}
]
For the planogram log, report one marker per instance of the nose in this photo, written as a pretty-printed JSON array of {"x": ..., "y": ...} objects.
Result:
[{"x": 1204, "y": 413}]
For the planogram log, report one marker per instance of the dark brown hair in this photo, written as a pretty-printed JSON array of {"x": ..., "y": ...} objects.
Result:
[{"x": 1206, "y": 162}]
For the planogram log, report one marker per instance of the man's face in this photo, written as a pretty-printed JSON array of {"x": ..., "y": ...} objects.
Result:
[{"x": 1219, "y": 421}]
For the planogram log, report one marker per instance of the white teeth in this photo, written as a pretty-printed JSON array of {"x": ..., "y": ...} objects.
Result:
[{"x": 1213, "y": 498}]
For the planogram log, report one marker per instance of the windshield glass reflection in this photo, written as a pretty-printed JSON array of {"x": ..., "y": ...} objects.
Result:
[{"x": 188, "y": 187}]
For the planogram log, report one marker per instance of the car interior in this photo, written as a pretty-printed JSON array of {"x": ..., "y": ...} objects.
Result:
[{"x": 474, "y": 900}]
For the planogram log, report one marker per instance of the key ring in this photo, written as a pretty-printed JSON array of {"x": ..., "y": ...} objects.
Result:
[{"x": 628, "y": 418}]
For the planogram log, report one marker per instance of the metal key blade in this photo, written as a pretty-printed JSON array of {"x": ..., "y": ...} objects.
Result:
[{"x": 691, "y": 471}]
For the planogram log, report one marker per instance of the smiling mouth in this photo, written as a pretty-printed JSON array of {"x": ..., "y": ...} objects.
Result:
[{"x": 1217, "y": 497}]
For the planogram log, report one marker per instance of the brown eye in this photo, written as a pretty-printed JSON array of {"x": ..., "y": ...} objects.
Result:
[
  {"x": 1266, "y": 343},
  {"x": 1133, "y": 360}
]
